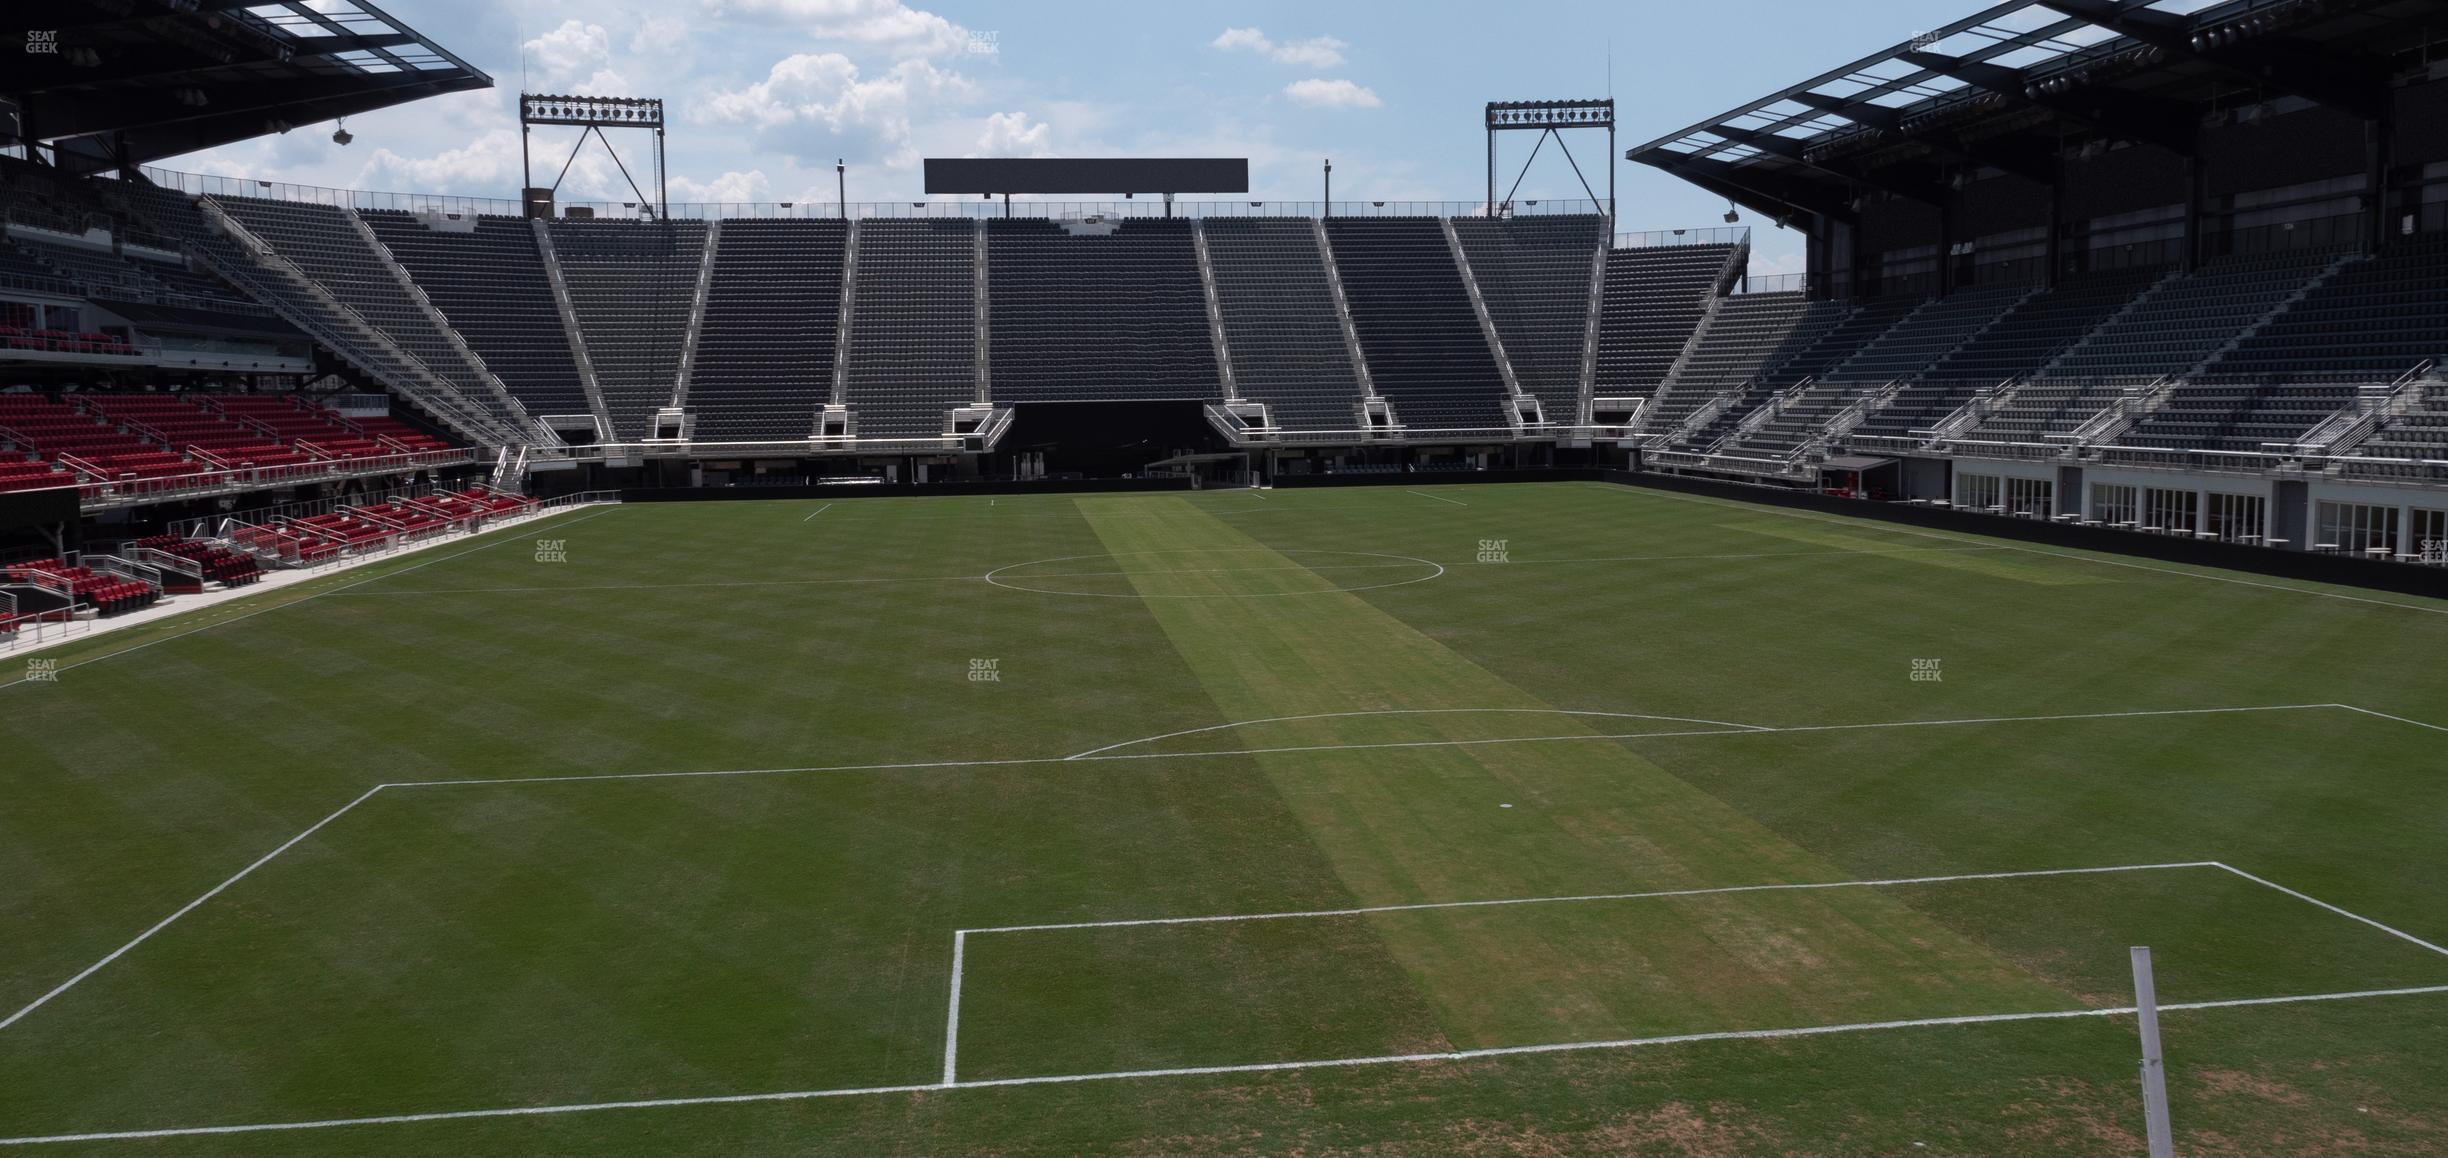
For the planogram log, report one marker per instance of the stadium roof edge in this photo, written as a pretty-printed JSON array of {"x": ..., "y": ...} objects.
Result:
[
  {"x": 127, "y": 83},
  {"x": 2069, "y": 65}
]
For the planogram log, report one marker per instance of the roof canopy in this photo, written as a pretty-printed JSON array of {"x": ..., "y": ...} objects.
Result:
[
  {"x": 131, "y": 81},
  {"x": 2010, "y": 87}
]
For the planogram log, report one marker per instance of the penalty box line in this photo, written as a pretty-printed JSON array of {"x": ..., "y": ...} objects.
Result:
[
  {"x": 1028, "y": 761},
  {"x": 1201, "y": 1071},
  {"x": 960, "y": 937}
]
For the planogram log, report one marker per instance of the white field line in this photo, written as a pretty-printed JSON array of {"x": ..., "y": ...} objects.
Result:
[
  {"x": 1407, "y": 712},
  {"x": 1949, "y": 536},
  {"x": 2386, "y": 716},
  {"x": 818, "y": 511},
  {"x": 1024, "y": 761},
  {"x": 2400, "y": 934},
  {"x": 278, "y": 603},
  {"x": 677, "y": 586},
  {"x": 1029, "y": 761},
  {"x": 960, "y": 951},
  {"x": 1229, "y": 918},
  {"x": 185, "y": 909},
  {"x": 1439, "y": 498},
  {"x": 1110, "y": 574},
  {"x": 1201, "y": 1071}
]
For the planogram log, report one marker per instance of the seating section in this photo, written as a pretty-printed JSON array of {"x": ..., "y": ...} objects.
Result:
[
  {"x": 1425, "y": 351},
  {"x": 2178, "y": 325},
  {"x": 1799, "y": 360},
  {"x": 1079, "y": 317},
  {"x": 104, "y": 276},
  {"x": 1655, "y": 298},
  {"x": 2421, "y": 433},
  {"x": 765, "y": 352},
  {"x": 1750, "y": 332},
  {"x": 1534, "y": 276},
  {"x": 1279, "y": 322},
  {"x": 632, "y": 284},
  {"x": 62, "y": 341},
  {"x": 213, "y": 440},
  {"x": 913, "y": 326},
  {"x": 320, "y": 240},
  {"x": 490, "y": 284},
  {"x": 105, "y": 592},
  {"x": 219, "y": 564},
  {"x": 1922, "y": 351},
  {"x": 2372, "y": 321},
  {"x": 98, "y": 450},
  {"x": 177, "y": 215}
]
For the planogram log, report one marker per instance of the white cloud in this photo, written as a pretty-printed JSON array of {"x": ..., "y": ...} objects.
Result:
[
  {"x": 659, "y": 35},
  {"x": 1314, "y": 52},
  {"x": 752, "y": 185},
  {"x": 1331, "y": 94},
  {"x": 1011, "y": 135},
  {"x": 489, "y": 162},
  {"x": 816, "y": 106},
  {"x": 887, "y": 24},
  {"x": 1249, "y": 38},
  {"x": 576, "y": 57}
]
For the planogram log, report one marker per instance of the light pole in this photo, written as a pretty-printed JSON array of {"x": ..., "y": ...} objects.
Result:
[
  {"x": 1328, "y": 211},
  {"x": 841, "y": 189}
]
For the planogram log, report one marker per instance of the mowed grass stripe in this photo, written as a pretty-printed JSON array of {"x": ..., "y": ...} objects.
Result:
[{"x": 1430, "y": 824}]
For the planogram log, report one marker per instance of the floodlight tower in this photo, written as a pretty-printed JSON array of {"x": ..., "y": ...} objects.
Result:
[
  {"x": 594, "y": 114},
  {"x": 1550, "y": 119}
]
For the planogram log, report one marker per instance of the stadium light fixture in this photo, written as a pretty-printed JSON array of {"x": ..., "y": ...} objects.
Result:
[
  {"x": 1731, "y": 215},
  {"x": 341, "y": 136}
]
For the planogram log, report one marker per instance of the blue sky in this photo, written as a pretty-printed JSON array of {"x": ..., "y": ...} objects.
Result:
[{"x": 764, "y": 94}]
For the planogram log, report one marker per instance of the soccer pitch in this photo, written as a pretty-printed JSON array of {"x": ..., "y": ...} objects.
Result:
[{"x": 1561, "y": 817}]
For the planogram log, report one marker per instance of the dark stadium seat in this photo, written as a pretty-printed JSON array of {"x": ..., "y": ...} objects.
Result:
[
  {"x": 1286, "y": 344},
  {"x": 1075, "y": 316},
  {"x": 764, "y": 359},
  {"x": 913, "y": 326},
  {"x": 489, "y": 282},
  {"x": 1425, "y": 351},
  {"x": 1534, "y": 275}
]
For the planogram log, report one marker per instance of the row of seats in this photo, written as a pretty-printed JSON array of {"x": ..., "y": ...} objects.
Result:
[
  {"x": 1654, "y": 299},
  {"x": 1534, "y": 276},
  {"x": 219, "y": 564},
  {"x": 765, "y": 346},
  {"x": 631, "y": 283},
  {"x": 913, "y": 326},
  {"x": 106, "y": 593},
  {"x": 1083, "y": 315},
  {"x": 1280, "y": 326},
  {"x": 323, "y": 241},
  {"x": 1422, "y": 340},
  {"x": 490, "y": 283}
]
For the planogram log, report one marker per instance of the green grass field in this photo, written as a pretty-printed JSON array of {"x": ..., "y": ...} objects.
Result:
[{"x": 708, "y": 815}]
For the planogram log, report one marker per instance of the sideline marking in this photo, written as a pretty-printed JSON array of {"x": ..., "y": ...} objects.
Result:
[
  {"x": 1658, "y": 894},
  {"x": 279, "y": 603},
  {"x": 1409, "y": 712},
  {"x": 1439, "y": 498},
  {"x": 1199, "y": 1071},
  {"x": 818, "y": 511},
  {"x": 1952, "y": 537},
  {"x": 2400, "y": 934},
  {"x": 1023, "y": 761},
  {"x": 187, "y": 908}
]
